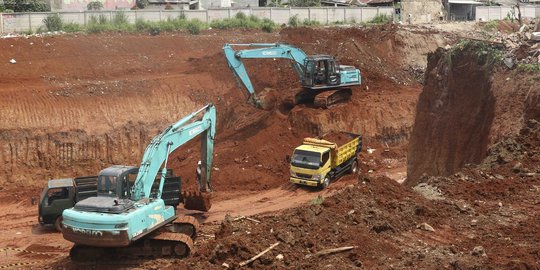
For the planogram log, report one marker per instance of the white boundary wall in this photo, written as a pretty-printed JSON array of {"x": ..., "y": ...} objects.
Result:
[
  {"x": 21, "y": 22},
  {"x": 491, "y": 13}
]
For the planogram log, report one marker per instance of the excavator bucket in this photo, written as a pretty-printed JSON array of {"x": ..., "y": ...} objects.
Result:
[{"x": 197, "y": 201}]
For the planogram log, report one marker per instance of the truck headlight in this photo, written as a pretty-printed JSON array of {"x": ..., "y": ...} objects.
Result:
[{"x": 316, "y": 177}]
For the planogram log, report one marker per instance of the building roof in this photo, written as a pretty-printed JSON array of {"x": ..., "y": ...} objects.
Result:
[
  {"x": 371, "y": 2},
  {"x": 375, "y": 2}
]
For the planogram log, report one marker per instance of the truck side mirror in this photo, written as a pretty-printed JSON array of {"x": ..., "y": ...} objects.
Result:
[{"x": 288, "y": 158}]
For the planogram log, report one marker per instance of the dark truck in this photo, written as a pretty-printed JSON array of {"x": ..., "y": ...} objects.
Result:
[{"x": 61, "y": 194}]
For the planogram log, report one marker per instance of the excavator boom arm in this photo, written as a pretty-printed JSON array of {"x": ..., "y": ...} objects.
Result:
[
  {"x": 170, "y": 139},
  {"x": 261, "y": 51}
]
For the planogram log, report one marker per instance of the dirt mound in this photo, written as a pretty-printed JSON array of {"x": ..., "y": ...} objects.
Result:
[
  {"x": 351, "y": 218},
  {"x": 469, "y": 224},
  {"x": 463, "y": 221}
]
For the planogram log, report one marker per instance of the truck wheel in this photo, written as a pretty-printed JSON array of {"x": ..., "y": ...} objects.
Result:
[
  {"x": 325, "y": 182},
  {"x": 58, "y": 223},
  {"x": 354, "y": 167}
]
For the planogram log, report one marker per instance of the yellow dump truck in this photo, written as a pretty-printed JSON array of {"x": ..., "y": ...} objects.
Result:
[{"x": 319, "y": 161}]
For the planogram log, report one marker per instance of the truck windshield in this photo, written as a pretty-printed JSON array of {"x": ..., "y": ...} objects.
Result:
[
  {"x": 306, "y": 159},
  {"x": 107, "y": 185}
]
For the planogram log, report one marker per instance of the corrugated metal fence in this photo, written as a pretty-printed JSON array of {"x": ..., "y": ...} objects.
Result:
[
  {"x": 491, "y": 13},
  {"x": 21, "y": 22}
]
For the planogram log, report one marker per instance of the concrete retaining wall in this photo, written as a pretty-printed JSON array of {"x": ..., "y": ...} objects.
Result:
[
  {"x": 22, "y": 22},
  {"x": 501, "y": 12}
]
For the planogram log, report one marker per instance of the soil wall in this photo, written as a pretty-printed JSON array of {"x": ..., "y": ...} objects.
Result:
[{"x": 468, "y": 103}]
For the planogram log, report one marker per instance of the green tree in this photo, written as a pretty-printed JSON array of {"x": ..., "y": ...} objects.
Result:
[
  {"x": 141, "y": 3},
  {"x": 94, "y": 5},
  {"x": 26, "y": 5},
  {"x": 275, "y": 3}
]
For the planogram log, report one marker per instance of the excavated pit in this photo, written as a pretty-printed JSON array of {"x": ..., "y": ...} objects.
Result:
[
  {"x": 468, "y": 103},
  {"x": 86, "y": 106}
]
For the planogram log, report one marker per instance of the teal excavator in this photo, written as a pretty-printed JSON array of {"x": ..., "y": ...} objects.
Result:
[
  {"x": 325, "y": 82},
  {"x": 129, "y": 218}
]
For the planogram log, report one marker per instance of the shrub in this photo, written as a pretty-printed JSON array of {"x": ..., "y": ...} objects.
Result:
[
  {"x": 254, "y": 18},
  {"x": 308, "y": 22},
  {"x": 381, "y": 18},
  {"x": 167, "y": 25},
  {"x": 53, "y": 22},
  {"x": 268, "y": 25},
  {"x": 120, "y": 18},
  {"x": 294, "y": 21},
  {"x": 102, "y": 19},
  {"x": 141, "y": 3},
  {"x": 529, "y": 68},
  {"x": 141, "y": 25},
  {"x": 94, "y": 5},
  {"x": 72, "y": 27},
  {"x": 98, "y": 24},
  {"x": 317, "y": 200},
  {"x": 195, "y": 26},
  {"x": 241, "y": 16},
  {"x": 491, "y": 25}
]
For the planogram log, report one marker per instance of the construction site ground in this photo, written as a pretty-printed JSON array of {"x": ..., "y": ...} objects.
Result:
[{"x": 72, "y": 105}]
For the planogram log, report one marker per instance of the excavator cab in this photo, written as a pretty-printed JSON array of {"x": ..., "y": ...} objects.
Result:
[{"x": 321, "y": 71}]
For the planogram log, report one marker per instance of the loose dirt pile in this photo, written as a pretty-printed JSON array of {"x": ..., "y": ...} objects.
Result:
[{"x": 480, "y": 218}]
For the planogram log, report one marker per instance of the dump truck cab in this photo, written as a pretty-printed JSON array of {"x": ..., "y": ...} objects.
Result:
[
  {"x": 318, "y": 161},
  {"x": 58, "y": 195},
  {"x": 309, "y": 164}
]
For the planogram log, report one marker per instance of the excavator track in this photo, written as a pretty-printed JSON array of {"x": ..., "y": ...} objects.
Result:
[
  {"x": 187, "y": 225},
  {"x": 327, "y": 99},
  {"x": 174, "y": 240}
]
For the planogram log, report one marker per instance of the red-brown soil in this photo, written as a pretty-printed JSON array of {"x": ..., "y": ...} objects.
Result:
[
  {"x": 73, "y": 105},
  {"x": 468, "y": 104}
]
